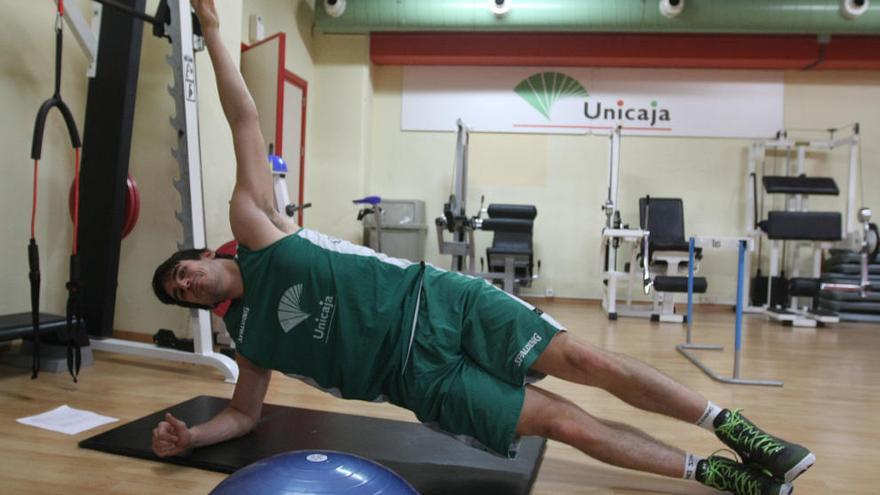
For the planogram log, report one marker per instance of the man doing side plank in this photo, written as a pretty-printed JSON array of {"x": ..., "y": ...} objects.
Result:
[{"x": 458, "y": 352}]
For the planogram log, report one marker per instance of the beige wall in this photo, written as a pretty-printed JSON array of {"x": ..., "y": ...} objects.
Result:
[
  {"x": 567, "y": 177},
  {"x": 354, "y": 147},
  {"x": 338, "y": 110},
  {"x": 337, "y": 165},
  {"x": 293, "y": 17},
  {"x": 153, "y": 167},
  {"x": 26, "y": 80}
]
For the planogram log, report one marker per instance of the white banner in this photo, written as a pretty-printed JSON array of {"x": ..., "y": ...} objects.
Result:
[{"x": 576, "y": 100}]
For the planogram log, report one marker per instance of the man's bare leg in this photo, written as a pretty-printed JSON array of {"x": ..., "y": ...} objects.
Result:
[
  {"x": 551, "y": 416},
  {"x": 647, "y": 388},
  {"x": 627, "y": 378}
]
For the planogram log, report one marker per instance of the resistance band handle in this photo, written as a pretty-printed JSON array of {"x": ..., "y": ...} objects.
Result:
[
  {"x": 75, "y": 332},
  {"x": 70, "y": 361},
  {"x": 75, "y": 329},
  {"x": 34, "y": 276},
  {"x": 34, "y": 264},
  {"x": 40, "y": 124},
  {"x": 74, "y": 271},
  {"x": 73, "y": 351}
]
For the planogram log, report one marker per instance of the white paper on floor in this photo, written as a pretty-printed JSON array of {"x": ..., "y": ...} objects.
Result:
[{"x": 67, "y": 420}]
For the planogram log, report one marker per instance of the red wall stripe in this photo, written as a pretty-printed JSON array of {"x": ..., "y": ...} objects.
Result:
[{"x": 623, "y": 50}]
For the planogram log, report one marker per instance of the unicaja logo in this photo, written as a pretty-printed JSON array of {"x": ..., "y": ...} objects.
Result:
[
  {"x": 544, "y": 89},
  {"x": 621, "y": 112},
  {"x": 325, "y": 319},
  {"x": 290, "y": 313}
]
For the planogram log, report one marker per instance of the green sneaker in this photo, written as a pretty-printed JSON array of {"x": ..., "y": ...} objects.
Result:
[
  {"x": 730, "y": 476},
  {"x": 783, "y": 460}
]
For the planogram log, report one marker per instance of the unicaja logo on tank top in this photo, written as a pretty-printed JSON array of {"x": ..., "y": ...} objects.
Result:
[
  {"x": 325, "y": 319},
  {"x": 291, "y": 313}
]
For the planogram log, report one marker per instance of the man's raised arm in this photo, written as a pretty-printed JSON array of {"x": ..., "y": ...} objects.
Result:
[{"x": 253, "y": 218}]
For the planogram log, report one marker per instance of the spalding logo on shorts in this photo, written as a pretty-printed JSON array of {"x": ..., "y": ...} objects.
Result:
[{"x": 526, "y": 349}]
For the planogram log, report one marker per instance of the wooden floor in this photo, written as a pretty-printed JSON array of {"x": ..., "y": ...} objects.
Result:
[{"x": 830, "y": 402}]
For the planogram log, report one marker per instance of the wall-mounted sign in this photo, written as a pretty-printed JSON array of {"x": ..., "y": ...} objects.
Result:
[{"x": 575, "y": 100}]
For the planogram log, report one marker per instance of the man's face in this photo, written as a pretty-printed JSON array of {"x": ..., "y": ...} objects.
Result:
[{"x": 196, "y": 281}]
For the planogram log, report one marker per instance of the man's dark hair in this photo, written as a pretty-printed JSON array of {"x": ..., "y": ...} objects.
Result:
[{"x": 163, "y": 271}]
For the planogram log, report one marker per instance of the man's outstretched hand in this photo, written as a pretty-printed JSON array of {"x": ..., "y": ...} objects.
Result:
[
  {"x": 207, "y": 14},
  {"x": 171, "y": 436}
]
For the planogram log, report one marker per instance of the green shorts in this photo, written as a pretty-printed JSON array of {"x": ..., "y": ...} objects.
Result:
[{"x": 469, "y": 360}]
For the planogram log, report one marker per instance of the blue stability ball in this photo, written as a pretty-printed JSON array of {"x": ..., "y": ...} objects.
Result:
[{"x": 314, "y": 472}]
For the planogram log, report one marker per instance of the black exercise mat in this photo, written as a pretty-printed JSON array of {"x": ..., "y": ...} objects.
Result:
[{"x": 432, "y": 462}]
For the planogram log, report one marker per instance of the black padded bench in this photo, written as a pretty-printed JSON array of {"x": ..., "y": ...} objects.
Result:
[
  {"x": 512, "y": 226},
  {"x": 820, "y": 186},
  {"x": 667, "y": 247},
  {"x": 18, "y": 325},
  {"x": 803, "y": 225},
  {"x": 804, "y": 286},
  {"x": 665, "y": 283}
]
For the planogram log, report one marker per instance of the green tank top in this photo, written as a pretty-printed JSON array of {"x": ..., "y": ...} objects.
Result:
[{"x": 326, "y": 311}]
